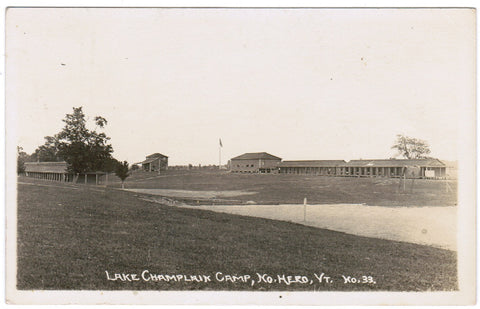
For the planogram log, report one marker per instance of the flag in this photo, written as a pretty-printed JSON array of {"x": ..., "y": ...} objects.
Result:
[{"x": 220, "y": 140}]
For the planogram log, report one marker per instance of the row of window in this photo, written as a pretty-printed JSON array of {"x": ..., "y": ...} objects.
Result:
[{"x": 248, "y": 165}]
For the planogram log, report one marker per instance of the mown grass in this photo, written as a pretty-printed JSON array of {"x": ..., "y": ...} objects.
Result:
[
  {"x": 287, "y": 188},
  {"x": 68, "y": 238}
]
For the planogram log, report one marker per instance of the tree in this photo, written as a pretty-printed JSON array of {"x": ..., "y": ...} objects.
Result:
[
  {"x": 411, "y": 148},
  {"x": 110, "y": 165},
  {"x": 84, "y": 150},
  {"x": 22, "y": 157},
  {"x": 48, "y": 152},
  {"x": 122, "y": 171}
]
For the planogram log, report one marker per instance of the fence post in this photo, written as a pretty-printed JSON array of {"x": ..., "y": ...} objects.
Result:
[{"x": 305, "y": 209}]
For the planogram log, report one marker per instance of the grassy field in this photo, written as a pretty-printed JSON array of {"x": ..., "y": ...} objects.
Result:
[
  {"x": 283, "y": 188},
  {"x": 69, "y": 236}
]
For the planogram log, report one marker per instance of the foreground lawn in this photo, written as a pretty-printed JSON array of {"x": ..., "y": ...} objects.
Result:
[
  {"x": 68, "y": 237},
  {"x": 283, "y": 188}
]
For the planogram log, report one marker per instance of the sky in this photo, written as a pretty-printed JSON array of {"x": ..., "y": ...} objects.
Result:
[{"x": 297, "y": 83}]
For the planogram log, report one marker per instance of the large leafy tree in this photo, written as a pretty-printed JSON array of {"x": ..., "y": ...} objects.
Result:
[
  {"x": 411, "y": 148},
  {"x": 84, "y": 150}
]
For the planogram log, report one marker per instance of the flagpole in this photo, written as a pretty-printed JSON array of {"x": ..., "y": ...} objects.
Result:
[{"x": 220, "y": 153}]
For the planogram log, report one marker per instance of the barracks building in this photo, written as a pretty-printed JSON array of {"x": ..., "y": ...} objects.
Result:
[{"x": 262, "y": 162}]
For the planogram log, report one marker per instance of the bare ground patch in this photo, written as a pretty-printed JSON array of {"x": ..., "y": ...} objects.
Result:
[{"x": 193, "y": 193}]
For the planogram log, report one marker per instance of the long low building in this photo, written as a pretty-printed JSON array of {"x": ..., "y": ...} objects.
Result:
[
  {"x": 262, "y": 162},
  {"x": 410, "y": 168},
  {"x": 57, "y": 171},
  {"x": 313, "y": 167},
  {"x": 48, "y": 170},
  {"x": 415, "y": 168}
]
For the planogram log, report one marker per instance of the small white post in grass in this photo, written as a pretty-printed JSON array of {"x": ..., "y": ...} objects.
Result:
[
  {"x": 304, "y": 209},
  {"x": 447, "y": 187}
]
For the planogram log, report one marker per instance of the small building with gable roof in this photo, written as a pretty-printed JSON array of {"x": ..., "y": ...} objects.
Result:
[{"x": 155, "y": 162}]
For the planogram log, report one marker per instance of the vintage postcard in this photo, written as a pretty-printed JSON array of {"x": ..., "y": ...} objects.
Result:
[{"x": 237, "y": 156}]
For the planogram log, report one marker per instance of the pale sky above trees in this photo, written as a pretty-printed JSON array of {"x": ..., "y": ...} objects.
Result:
[{"x": 299, "y": 84}]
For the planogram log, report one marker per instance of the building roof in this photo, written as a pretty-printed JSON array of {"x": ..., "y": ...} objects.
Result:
[
  {"x": 150, "y": 160},
  {"x": 46, "y": 167},
  {"x": 396, "y": 163},
  {"x": 256, "y": 156},
  {"x": 156, "y": 155},
  {"x": 312, "y": 163}
]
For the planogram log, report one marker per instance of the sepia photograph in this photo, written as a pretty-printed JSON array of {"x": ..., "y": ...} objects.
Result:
[{"x": 234, "y": 156}]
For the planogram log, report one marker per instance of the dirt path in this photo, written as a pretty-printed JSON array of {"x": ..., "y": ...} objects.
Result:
[
  {"x": 434, "y": 226},
  {"x": 192, "y": 193}
]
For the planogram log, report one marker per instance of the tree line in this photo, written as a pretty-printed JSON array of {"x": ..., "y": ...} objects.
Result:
[{"x": 83, "y": 150}]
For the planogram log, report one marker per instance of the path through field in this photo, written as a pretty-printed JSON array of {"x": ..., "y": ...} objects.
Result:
[
  {"x": 192, "y": 194},
  {"x": 434, "y": 226}
]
